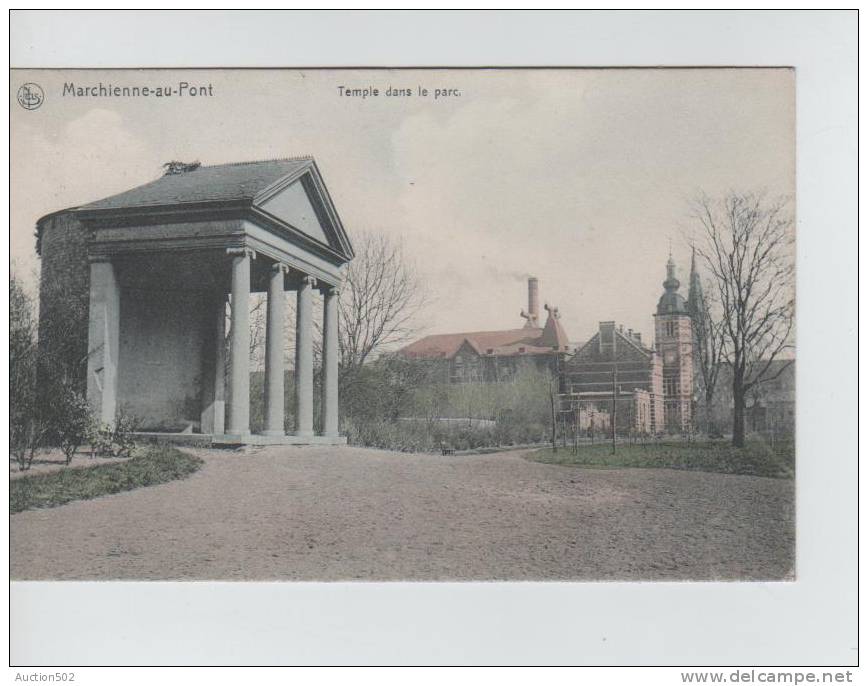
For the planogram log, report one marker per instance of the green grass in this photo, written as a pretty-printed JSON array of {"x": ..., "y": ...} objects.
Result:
[
  {"x": 757, "y": 458},
  {"x": 152, "y": 466}
]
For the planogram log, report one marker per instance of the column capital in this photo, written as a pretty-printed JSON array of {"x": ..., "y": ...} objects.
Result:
[
  {"x": 308, "y": 280},
  {"x": 333, "y": 291},
  {"x": 280, "y": 267},
  {"x": 241, "y": 252},
  {"x": 95, "y": 259}
]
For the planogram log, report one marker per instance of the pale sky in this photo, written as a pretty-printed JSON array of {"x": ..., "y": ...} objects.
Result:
[{"x": 578, "y": 177}]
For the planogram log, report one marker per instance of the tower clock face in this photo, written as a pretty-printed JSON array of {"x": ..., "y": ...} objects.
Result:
[{"x": 670, "y": 357}]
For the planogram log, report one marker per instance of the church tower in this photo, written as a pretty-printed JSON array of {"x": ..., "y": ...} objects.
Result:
[{"x": 674, "y": 344}]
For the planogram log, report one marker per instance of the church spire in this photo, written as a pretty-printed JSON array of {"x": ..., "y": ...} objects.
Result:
[{"x": 695, "y": 297}]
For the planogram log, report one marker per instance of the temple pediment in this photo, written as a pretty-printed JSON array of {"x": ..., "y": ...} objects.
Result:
[
  {"x": 293, "y": 206},
  {"x": 301, "y": 202}
]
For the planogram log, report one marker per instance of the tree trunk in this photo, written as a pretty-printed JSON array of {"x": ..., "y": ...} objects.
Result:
[
  {"x": 737, "y": 416},
  {"x": 710, "y": 427}
]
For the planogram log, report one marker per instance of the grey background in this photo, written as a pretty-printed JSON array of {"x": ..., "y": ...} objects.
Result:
[{"x": 810, "y": 621}]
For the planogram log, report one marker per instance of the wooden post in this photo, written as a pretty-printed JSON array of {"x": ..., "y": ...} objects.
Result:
[
  {"x": 614, "y": 403},
  {"x": 554, "y": 424},
  {"x": 576, "y": 429}
]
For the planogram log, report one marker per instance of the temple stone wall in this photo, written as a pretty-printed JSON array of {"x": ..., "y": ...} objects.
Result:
[
  {"x": 64, "y": 292},
  {"x": 162, "y": 368}
]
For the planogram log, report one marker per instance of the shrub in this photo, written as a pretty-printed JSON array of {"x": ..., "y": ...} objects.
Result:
[
  {"x": 396, "y": 404},
  {"x": 71, "y": 420},
  {"x": 115, "y": 440}
]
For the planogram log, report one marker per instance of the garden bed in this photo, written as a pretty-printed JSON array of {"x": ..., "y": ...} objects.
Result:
[{"x": 151, "y": 467}]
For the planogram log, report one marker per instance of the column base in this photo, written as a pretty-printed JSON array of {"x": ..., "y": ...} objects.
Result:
[
  {"x": 233, "y": 437},
  {"x": 303, "y": 434},
  {"x": 285, "y": 439},
  {"x": 234, "y": 440},
  {"x": 273, "y": 432}
]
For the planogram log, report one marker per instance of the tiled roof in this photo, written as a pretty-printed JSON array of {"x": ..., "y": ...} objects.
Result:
[
  {"x": 220, "y": 182},
  {"x": 519, "y": 349},
  {"x": 525, "y": 341},
  {"x": 553, "y": 335},
  {"x": 447, "y": 344}
]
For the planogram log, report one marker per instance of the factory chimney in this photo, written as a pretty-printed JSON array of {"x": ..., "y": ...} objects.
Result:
[{"x": 532, "y": 314}]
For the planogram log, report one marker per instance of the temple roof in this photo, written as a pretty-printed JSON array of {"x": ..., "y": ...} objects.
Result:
[
  {"x": 215, "y": 183},
  {"x": 286, "y": 197}
]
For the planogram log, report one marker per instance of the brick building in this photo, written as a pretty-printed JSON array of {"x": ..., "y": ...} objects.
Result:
[
  {"x": 651, "y": 386},
  {"x": 615, "y": 363},
  {"x": 493, "y": 356}
]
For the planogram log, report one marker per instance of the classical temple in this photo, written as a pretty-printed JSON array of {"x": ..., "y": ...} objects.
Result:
[{"x": 158, "y": 266}]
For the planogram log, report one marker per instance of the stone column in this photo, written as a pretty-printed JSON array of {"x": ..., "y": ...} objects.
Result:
[
  {"x": 214, "y": 410},
  {"x": 220, "y": 367},
  {"x": 304, "y": 359},
  {"x": 103, "y": 341},
  {"x": 239, "y": 345},
  {"x": 274, "y": 337},
  {"x": 330, "y": 363}
]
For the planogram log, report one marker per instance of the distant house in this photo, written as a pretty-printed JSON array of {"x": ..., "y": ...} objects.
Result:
[
  {"x": 496, "y": 355},
  {"x": 615, "y": 363},
  {"x": 770, "y": 405},
  {"x": 650, "y": 388}
]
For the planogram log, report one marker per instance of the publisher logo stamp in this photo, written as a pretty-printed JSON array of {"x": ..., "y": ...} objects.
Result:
[{"x": 30, "y": 96}]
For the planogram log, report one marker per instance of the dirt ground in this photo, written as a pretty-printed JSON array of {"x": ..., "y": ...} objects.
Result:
[{"x": 321, "y": 513}]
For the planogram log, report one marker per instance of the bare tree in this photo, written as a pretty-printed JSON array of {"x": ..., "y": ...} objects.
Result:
[
  {"x": 258, "y": 309},
  {"x": 380, "y": 299},
  {"x": 747, "y": 247}
]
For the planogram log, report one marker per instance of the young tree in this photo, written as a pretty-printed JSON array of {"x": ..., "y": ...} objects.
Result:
[
  {"x": 26, "y": 426},
  {"x": 72, "y": 421},
  {"x": 747, "y": 247}
]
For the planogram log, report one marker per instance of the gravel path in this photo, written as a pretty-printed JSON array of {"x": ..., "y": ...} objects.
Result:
[{"x": 321, "y": 513}]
